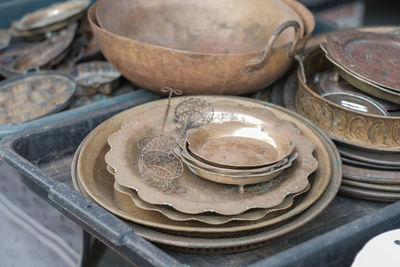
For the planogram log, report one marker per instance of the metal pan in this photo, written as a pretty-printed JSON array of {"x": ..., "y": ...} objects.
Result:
[{"x": 223, "y": 47}]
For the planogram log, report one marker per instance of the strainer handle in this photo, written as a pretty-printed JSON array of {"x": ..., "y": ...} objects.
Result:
[{"x": 260, "y": 61}]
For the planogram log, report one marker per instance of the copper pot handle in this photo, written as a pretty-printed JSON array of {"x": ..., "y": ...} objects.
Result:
[{"x": 263, "y": 58}]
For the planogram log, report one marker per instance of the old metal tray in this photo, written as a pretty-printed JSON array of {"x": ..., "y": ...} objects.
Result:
[{"x": 46, "y": 169}]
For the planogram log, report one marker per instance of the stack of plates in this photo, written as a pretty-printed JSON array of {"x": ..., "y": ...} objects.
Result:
[
  {"x": 199, "y": 212},
  {"x": 363, "y": 126},
  {"x": 49, "y": 19}
]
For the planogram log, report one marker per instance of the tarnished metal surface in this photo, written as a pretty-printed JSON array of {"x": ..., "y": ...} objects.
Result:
[
  {"x": 366, "y": 194},
  {"x": 30, "y": 96},
  {"x": 389, "y": 159},
  {"x": 208, "y": 218},
  {"x": 191, "y": 193},
  {"x": 221, "y": 58},
  {"x": 95, "y": 77},
  {"x": 373, "y": 56},
  {"x": 343, "y": 124},
  {"x": 53, "y": 14},
  {"x": 370, "y": 175},
  {"x": 370, "y": 186},
  {"x": 253, "y": 145},
  {"x": 330, "y": 170}
]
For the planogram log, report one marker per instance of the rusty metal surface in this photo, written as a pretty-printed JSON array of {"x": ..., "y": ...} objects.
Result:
[
  {"x": 373, "y": 56},
  {"x": 231, "y": 245},
  {"x": 30, "y": 96},
  {"x": 377, "y": 133},
  {"x": 192, "y": 194},
  {"x": 233, "y": 67}
]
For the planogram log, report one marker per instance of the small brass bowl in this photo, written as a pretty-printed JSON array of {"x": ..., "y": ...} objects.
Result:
[
  {"x": 236, "y": 179},
  {"x": 229, "y": 171},
  {"x": 235, "y": 144}
]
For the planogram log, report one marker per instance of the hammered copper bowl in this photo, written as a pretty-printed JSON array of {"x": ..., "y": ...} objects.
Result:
[
  {"x": 363, "y": 130},
  {"x": 236, "y": 66}
]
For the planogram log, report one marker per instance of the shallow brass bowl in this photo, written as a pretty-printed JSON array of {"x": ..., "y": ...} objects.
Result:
[
  {"x": 192, "y": 158},
  {"x": 237, "y": 144},
  {"x": 236, "y": 179}
]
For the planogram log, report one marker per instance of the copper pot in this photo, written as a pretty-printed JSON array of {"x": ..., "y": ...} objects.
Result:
[{"x": 164, "y": 50}]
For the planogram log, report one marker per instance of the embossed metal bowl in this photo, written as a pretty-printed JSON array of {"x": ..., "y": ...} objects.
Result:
[
  {"x": 238, "y": 145},
  {"x": 344, "y": 125}
]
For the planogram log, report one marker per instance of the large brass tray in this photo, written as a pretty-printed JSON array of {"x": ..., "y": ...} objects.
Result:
[
  {"x": 98, "y": 182},
  {"x": 193, "y": 194},
  {"x": 104, "y": 197}
]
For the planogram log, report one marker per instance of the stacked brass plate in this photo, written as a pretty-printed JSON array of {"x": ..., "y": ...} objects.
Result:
[
  {"x": 93, "y": 179},
  {"x": 192, "y": 194},
  {"x": 34, "y": 95},
  {"x": 49, "y": 19},
  {"x": 43, "y": 55},
  {"x": 95, "y": 77}
]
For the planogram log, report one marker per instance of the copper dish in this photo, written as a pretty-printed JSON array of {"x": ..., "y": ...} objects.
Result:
[
  {"x": 100, "y": 188},
  {"x": 389, "y": 159},
  {"x": 238, "y": 145},
  {"x": 192, "y": 194},
  {"x": 375, "y": 57},
  {"x": 368, "y": 165},
  {"x": 208, "y": 218},
  {"x": 232, "y": 56},
  {"x": 50, "y": 15},
  {"x": 30, "y": 96},
  {"x": 362, "y": 130},
  {"x": 95, "y": 77}
]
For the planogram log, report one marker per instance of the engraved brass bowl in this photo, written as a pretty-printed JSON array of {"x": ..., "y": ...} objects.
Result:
[
  {"x": 238, "y": 145},
  {"x": 362, "y": 130}
]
